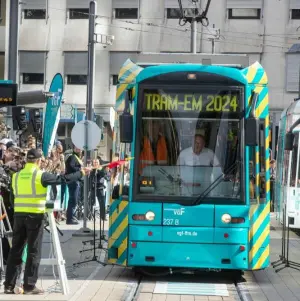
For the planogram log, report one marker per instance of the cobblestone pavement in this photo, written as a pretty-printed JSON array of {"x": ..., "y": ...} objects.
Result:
[{"x": 92, "y": 281}]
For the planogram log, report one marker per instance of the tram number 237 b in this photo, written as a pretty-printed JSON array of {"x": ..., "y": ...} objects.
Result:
[{"x": 170, "y": 222}]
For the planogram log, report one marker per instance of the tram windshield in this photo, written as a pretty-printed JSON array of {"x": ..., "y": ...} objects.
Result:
[{"x": 187, "y": 140}]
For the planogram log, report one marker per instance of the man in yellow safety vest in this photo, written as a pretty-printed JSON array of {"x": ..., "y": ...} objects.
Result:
[{"x": 30, "y": 189}]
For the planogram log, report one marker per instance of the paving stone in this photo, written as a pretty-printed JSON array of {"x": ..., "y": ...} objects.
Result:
[{"x": 144, "y": 297}]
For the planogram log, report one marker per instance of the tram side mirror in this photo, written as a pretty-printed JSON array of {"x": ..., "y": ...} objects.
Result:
[
  {"x": 289, "y": 141},
  {"x": 126, "y": 121},
  {"x": 126, "y": 128},
  {"x": 252, "y": 131}
]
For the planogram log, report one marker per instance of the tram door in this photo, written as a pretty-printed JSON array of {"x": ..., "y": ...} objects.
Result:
[{"x": 292, "y": 184}]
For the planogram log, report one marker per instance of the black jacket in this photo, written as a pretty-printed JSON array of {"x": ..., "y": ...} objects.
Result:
[
  {"x": 72, "y": 164},
  {"x": 97, "y": 178},
  {"x": 49, "y": 179}
]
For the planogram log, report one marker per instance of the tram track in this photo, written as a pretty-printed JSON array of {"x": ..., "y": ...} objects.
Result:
[{"x": 240, "y": 291}]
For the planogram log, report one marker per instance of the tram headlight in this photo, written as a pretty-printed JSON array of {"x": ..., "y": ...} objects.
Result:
[
  {"x": 226, "y": 218},
  {"x": 150, "y": 216}
]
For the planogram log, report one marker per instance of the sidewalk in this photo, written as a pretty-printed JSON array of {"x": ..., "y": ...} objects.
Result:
[
  {"x": 267, "y": 285},
  {"x": 87, "y": 282}
]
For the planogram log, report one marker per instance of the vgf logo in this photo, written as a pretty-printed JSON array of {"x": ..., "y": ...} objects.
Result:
[
  {"x": 56, "y": 97},
  {"x": 179, "y": 211}
]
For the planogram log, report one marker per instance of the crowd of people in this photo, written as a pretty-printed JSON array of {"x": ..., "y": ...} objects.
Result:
[{"x": 57, "y": 177}]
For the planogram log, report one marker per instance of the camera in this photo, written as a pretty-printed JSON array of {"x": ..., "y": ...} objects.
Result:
[{"x": 5, "y": 178}]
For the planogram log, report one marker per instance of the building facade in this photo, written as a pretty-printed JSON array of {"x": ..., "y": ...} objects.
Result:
[{"x": 54, "y": 38}]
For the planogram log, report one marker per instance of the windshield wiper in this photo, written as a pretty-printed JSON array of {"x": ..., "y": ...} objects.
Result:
[
  {"x": 170, "y": 177},
  {"x": 213, "y": 185}
]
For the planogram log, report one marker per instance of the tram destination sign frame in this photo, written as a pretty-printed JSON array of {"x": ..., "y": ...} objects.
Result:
[{"x": 8, "y": 94}]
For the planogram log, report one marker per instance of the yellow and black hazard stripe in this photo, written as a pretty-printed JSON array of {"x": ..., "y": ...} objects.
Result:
[
  {"x": 259, "y": 215},
  {"x": 118, "y": 212}
]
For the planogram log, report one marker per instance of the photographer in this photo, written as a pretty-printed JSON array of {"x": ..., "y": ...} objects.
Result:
[{"x": 12, "y": 162}]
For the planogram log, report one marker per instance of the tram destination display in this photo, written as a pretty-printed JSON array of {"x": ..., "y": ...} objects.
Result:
[{"x": 223, "y": 102}]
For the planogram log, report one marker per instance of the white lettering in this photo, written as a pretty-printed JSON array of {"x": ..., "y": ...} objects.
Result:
[{"x": 179, "y": 211}]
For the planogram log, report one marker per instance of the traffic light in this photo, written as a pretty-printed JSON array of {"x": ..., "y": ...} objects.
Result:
[
  {"x": 19, "y": 118},
  {"x": 35, "y": 120}
]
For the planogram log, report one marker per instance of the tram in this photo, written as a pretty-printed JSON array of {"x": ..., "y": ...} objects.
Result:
[
  {"x": 287, "y": 182},
  {"x": 196, "y": 192}
]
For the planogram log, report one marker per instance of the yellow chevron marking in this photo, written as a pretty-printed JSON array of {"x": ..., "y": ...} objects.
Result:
[
  {"x": 262, "y": 258},
  {"x": 259, "y": 220},
  {"x": 112, "y": 260},
  {"x": 132, "y": 76},
  {"x": 267, "y": 121},
  {"x": 253, "y": 209},
  {"x": 257, "y": 173},
  {"x": 267, "y": 186},
  {"x": 124, "y": 262},
  {"x": 120, "y": 228},
  {"x": 264, "y": 79},
  {"x": 117, "y": 212},
  {"x": 262, "y": 105},
  {"x": 123, "y": 247},
  {"x": 110, "y": 242},
  {"x": 125, "y": 69},
  {"x": 267, "y": 165},
  {"x": 251, "y": 74},
  {"x": 257, "y": 245},
  {"x": 258, "y": 89},
  {"x": 133, "y": 92},
  {"x": 121, "y": 90}
]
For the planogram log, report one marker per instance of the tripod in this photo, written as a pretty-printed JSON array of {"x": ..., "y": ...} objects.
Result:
[
  {"x": 5, "y": 231},
  {"x": 284, "y": 257},
  {"x": 95, "y": 258}
]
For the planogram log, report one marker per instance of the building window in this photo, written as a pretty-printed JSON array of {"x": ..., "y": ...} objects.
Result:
[
  {"x": 79, "y": 13},
  {"x": 244, "y": 13},
  {"x": 173, "y": 13},
  {"x": 115, "y": 79},
  {"x": 34, "y": 14},
  {"x": 33, "y": 78},
  {"x": 126, "y": 13},
  {"x": 296, "y": 14},
  {"x": 77, "y": 79}
]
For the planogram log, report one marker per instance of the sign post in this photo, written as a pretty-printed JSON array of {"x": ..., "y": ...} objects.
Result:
[{"x": 85, "y": 135}]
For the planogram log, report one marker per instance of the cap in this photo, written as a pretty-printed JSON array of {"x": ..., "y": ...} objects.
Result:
[
  {"x": 34, "y": 154},
  {"x": 10, "y": 144}
]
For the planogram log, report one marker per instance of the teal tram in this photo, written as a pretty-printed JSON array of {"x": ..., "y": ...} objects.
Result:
[
  {"x": 287, "y": 182},
  {"x": 195, "y": 193}
]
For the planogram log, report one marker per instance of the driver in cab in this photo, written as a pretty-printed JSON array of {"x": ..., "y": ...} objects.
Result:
[{"x": 198, "y": 154}]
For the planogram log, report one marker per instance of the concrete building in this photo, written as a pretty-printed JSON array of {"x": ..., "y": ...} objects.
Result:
[{"x": 53, "y": 38}]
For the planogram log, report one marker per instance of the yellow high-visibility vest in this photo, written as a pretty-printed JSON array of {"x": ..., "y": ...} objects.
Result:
[
  {"x": 79, "y": 160},
  {"x": 30, "y": 194}
]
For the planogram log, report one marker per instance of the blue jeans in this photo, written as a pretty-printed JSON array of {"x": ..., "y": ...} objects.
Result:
[{"x": 74, "y": 189}]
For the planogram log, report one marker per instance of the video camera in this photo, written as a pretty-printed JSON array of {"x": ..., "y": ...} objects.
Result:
[{"x": 5, "y": 178}]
